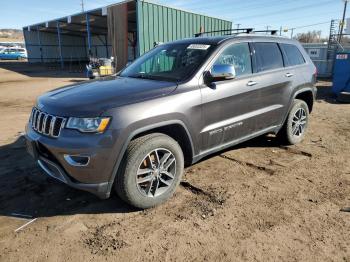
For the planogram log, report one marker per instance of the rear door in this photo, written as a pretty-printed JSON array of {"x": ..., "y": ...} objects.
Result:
[
  {"x": 277, "y": 82},
  {"x": 296, "y": 65}
]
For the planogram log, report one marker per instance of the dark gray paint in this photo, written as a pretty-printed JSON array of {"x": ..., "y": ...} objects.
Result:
[{"x": 214, "y": 116}]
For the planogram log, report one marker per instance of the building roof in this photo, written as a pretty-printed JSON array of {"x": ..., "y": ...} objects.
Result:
[{"x": 104, "y": 9}]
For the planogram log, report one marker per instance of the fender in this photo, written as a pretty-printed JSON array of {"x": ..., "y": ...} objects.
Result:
[
  {"x": 135, "y": 133},
  {"x": 302, "y": 90}
]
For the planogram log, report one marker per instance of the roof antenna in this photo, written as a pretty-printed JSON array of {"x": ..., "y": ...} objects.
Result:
[{"x": 82, "y": 5}]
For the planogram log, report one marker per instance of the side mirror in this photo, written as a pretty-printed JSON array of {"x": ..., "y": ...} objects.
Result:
[{"x": 222, "y": 72}]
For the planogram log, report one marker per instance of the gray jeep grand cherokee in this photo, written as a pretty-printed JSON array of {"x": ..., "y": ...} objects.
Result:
[{"x": 178, "y": 103}]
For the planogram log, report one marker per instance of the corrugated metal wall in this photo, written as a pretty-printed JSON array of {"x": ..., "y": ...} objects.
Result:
[
  {"x": 73, "y": 47},
  {"x": 117, "y": 22},
  {"x": 99, "y": 47},
  {"x": 157, "y": 23},
  {"x": 318, "y": 55}
]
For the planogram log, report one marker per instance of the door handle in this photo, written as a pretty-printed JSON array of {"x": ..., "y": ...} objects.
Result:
[
  {"x": 289, "y": 75},
  {"x": 252, "y": 83}
]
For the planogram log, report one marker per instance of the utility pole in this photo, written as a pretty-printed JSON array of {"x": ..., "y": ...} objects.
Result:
[
  {"x": 280, "y": 30},
  {"x": 82, "y": 5},
  {"x": 292, "y": 32},
  {"x": 238, "y": 25},
  {"x": 343, "y": 20},
  {"x": 267, "y": 28}
]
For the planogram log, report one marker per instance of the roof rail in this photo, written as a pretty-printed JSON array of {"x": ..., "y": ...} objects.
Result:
[
  {"x": 236, "y": 32},
  {"x": 227, "y": 31},
  {"x": 272, "y": 32}
]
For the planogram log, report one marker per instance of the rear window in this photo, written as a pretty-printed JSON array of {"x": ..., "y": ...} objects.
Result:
[
  {"x": 293, "y": 55},
  {"x": 268, "y": 56}
]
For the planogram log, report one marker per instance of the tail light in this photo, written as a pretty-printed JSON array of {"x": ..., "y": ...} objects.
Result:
[{"x": 314, "y": 76}]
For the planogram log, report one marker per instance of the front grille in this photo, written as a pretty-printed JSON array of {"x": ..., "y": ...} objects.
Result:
[{"x": 46, "y": 124}]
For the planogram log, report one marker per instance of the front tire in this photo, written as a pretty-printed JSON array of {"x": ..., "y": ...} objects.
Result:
[
  {"x": 296, "y": 124},
  {"x": 151, "y": 170}
]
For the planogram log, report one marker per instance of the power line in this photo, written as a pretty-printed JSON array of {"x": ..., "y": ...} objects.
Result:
[
  {"x": 299, "y": 18},
  {"x": 283, "y": 11},
  {"x": 214, "y": 6},
  {"x": 321, "y": 23}
]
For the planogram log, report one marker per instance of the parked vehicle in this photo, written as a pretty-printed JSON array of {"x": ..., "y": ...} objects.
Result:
[
  {"x": 13, "y": 54},
  {"x": 176, "y": 104}
]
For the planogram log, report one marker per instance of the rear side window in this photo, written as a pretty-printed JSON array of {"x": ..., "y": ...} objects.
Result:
[
  {"x": 268, "y": 56},
  {"x": 237, "y": 55},
  {"x": 293, "y": 55}
]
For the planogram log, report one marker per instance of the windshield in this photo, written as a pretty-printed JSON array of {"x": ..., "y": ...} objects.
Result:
[{"x": 169, "y": 62}]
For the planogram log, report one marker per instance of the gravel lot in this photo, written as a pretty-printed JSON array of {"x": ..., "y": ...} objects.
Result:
[{"x": 257, "y": 201}]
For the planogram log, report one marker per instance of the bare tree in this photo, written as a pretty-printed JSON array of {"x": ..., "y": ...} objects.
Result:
[{"x": 311, "y": 37}]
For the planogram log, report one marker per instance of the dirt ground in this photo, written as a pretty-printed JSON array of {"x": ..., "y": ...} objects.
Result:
[{"x": 259, "y": 201}]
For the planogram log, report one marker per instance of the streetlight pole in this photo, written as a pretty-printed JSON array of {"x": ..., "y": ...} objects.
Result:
[
  {"x": 343, "y": 20},
  {"x": 82, "y": 5}
]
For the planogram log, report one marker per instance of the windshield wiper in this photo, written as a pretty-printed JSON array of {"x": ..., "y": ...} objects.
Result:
[
  {"x": 143, "y": 76},
  {"x": 152, "y": 77}
]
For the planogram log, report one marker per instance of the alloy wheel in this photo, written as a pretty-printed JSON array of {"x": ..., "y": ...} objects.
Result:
[
  {"x": 156, "y": 172},
  {"x": 299, "y": 122}
]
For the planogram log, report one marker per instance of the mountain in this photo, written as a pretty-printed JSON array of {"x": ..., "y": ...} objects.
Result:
[{"x": 11, "y": 35}]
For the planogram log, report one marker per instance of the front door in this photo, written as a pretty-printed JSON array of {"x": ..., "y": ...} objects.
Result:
[{"x": 229, "y": 107}]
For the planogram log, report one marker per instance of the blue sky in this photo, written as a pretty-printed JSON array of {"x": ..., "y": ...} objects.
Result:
[{"x": 248, "y": 13}]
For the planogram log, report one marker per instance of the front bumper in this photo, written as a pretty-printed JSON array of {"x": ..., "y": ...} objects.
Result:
[
  {"x": 55, "y": 171},
  {"x": 50, "y": 154}
]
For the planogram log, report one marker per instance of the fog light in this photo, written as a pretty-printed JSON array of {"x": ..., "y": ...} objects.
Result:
[{"x": 77, "y": 160}]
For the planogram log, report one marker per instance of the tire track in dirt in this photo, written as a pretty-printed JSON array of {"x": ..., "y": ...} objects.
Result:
[
  {"x": 257, "y": 167},
  {"x": 296, "y": 151}
]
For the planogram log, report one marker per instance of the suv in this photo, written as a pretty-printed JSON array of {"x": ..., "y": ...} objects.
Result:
[{"x": 134, "y": 132}]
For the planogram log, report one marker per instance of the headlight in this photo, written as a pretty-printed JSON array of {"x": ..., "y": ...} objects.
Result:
[{"x": 97, "y": 125}]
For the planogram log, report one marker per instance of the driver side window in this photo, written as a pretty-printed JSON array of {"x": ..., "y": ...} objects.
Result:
[{"x": 237, "y": 55}]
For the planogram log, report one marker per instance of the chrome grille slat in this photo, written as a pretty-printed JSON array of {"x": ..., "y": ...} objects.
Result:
[
  {"x": 41, "y": 116},
  {"x": 46, "y": 124},
  {"x": 35, "y": 118},
  {"x": 52, "y": 124},
  {"x": 43, "y": 127},
  {"x": 38, "y": 121}
]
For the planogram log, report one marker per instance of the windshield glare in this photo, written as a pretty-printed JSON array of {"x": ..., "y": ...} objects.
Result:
[{"x": 169, "y": 62}]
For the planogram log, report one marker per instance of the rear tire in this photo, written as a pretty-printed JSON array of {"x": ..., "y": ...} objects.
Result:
[
  {"x": 344, "y": 97},
  {"x": 151, "y": 170},
  {"x": 295, "y": 126}
]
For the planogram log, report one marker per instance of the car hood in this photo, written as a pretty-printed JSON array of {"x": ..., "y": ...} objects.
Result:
[{"x": 91, "y": 98}]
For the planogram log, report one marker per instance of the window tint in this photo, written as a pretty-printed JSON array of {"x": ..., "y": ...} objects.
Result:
[
  {"x": 237, "y": 55},
  {"x": 268, "y": 56},
  {"x": 293, "y": 55},
  {"x": 169, "y": 62}
]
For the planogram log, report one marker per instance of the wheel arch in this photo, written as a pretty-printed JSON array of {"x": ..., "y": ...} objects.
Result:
[
  {"x": 307, "y": 95},
  {"x": 176, "y": 129}
]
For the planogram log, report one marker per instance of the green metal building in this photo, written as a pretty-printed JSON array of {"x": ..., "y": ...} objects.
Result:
[{"x": 124, "y": 30}]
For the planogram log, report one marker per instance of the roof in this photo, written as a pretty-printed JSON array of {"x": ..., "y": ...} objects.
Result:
[{"x": 64, "y": 18}]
